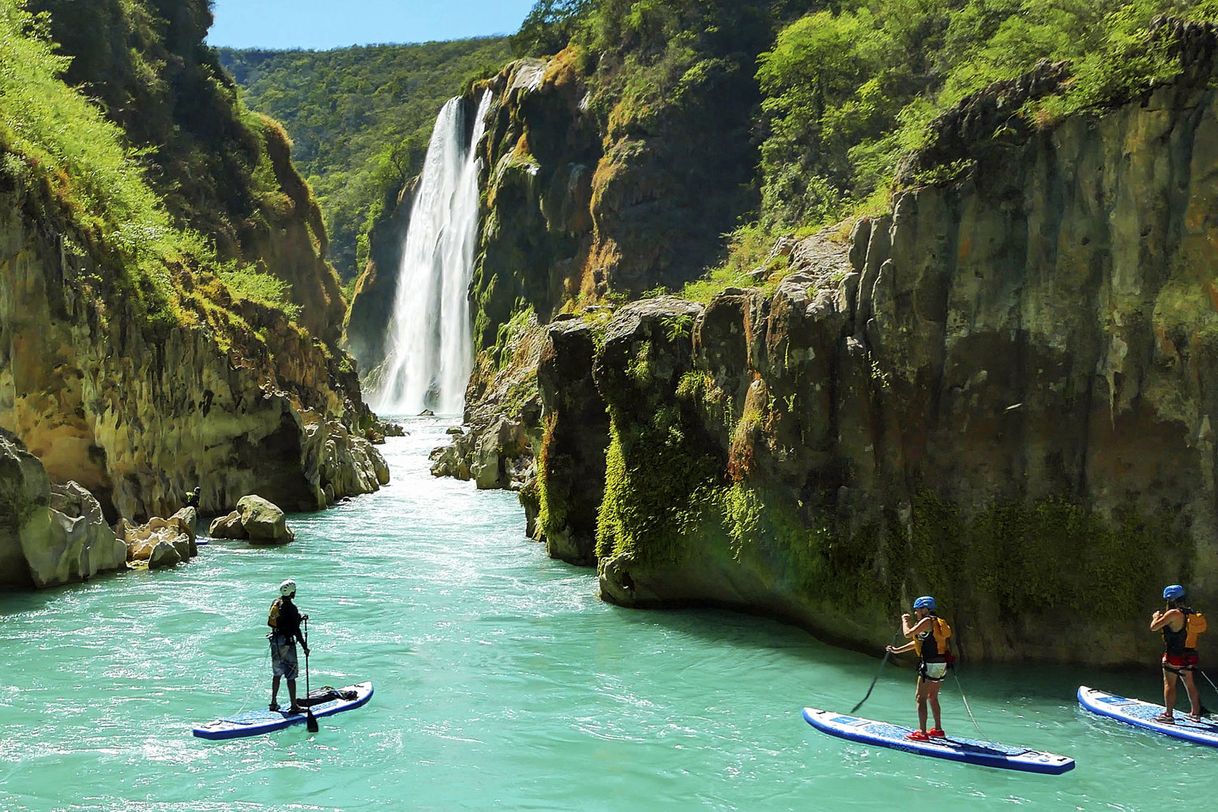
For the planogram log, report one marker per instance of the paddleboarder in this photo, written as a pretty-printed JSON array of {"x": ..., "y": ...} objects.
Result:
[
  {"x": 284, "y": 620},
  {"x": 928, "y": 636},
  {"x": 1180, "y": 625}
]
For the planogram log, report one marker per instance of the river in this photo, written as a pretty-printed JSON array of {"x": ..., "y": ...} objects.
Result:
[{"x": 501, "y": 681}]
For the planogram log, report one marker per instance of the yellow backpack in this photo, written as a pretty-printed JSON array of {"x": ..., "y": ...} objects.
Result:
[
  {"x": 942, "y": 632},
  {"x": 1194, "y": 626},
  {"x": 272, "y": 619}
]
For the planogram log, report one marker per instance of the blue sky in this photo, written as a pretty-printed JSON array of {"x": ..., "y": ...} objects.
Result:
[{"x": 335, "y": 23}]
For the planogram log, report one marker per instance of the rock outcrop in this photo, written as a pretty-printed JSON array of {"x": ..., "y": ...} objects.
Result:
[
  {"x": 255, "y": 519},
  {"x": 160, "y": 542},
  {"x": 139, "y": 417},
  {"x": 571, "y": 465},
  {"x": 498, "y": 449},
  {"x": 263, "y": 522},
  {"x": 133, "y": 368},
  {"x": 1015, "y": 369},
  {"x": 49, "y": 534}
]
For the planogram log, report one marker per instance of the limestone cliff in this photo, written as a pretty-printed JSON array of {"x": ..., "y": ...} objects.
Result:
[
  {"x": 585, "y": 196},
  {"x": 1002, "y": 394},
  {"x": 127, "y": 362},
  {"x": 140, "y": 414}
]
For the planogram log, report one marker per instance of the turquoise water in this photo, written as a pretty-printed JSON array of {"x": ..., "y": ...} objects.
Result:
[{"x": 501, "y": 680}]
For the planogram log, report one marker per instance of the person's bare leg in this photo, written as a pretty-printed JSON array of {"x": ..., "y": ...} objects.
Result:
[
  {"x": 1169, "y": 693},
  {"x": 292, "y": 694},
  {"x": 933, "y": 696},
  {"x": 1194, "y": 698},
  {"x": 921, "y": 695},
  {"x": 275, "y": 689}
]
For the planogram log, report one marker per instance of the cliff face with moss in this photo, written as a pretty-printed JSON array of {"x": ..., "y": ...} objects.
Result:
[
  {"x": 1002, "y": 394},
  {"x": 223, "y": 171},
  {"x": 134, "y": 357}
]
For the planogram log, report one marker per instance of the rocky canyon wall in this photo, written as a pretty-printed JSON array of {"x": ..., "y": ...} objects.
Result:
[{"x": 1002, "y": 394}]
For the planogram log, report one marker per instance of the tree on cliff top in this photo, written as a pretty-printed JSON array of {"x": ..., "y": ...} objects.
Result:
[{"x": 549, "y": 26}]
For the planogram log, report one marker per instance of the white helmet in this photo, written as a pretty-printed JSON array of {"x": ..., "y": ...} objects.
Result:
[{"x": 288, "y": 587}]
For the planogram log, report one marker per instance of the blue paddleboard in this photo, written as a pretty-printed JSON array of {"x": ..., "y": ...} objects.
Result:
[
  {"x": 255, "y": 723},
  {"x": 969, "y": 751},
  {"x": 1142, "y": 714}
]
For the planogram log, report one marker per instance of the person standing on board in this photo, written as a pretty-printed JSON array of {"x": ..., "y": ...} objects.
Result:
[
  {"x": 928, "y": 636},
  {"x": 285, "y": 620},
  {"x": 1180, "y": 626}
]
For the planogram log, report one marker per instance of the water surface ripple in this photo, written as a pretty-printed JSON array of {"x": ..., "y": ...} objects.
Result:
[{"x": 501, "y": 680}]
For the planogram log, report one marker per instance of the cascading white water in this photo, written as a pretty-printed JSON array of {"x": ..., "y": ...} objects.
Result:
[{"x": 430, "y": 346}]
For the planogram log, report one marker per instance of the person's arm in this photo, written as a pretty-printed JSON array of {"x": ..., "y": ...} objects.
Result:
[
  {"x": 1160, "y": 619},
  {"x": 901, "y": 649},
  {"x": 300, "y": 619},
  {"x": 910, "y": 631}
]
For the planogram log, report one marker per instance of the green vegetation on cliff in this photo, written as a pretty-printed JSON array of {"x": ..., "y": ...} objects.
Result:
[
  {"x": 216, "y": 168},
  {"x": 816, "y": 106},
  {"x": 60, "y": 149},
  {"x": 850, "y": 89},
  {"x": 360, "y": 119},
  {"x": 131, "y": 188}
]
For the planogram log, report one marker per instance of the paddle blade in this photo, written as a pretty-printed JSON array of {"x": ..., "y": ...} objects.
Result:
[{"x": 311, "y": 721}]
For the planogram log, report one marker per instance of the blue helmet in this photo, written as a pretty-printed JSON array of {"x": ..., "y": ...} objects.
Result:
[
  {"x": 927, "y": 602},
  {"x": 1173, "y": 593}
]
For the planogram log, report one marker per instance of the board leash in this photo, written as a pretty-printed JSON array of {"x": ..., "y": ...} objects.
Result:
[{"x": 967, "y": 709}]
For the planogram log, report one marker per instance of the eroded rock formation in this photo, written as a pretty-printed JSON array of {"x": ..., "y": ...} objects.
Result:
[{"x": 49, "y": 534}]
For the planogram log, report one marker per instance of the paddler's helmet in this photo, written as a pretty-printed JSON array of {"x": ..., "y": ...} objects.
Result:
[
  {"x": 925, "y": 602},
  {"x": 288, "y": 587},
  {"x": 1173, "y": 593}
]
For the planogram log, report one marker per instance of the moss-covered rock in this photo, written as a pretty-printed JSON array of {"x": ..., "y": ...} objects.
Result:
[{"x": 571, "y": 464}]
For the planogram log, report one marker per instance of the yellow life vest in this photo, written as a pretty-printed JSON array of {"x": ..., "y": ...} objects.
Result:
[
  {"x": 272, "y": 619},
  {"x": 941, "y": 631},
  {"x": 1194, "y": 626}
]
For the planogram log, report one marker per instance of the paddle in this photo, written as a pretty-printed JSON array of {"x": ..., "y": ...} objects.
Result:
[
  {"x": 874, "y": 680},
  {"x": 310, "y": 719}
]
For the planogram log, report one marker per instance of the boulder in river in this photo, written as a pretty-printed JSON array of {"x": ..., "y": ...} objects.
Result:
[
  {"x": 160, "y": 542},
  {"x": 263, "y": 522},
  {"x": 227, "y": 527}
]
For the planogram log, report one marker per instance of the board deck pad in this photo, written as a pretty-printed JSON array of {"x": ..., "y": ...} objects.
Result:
[
  {"x": 1142, "y": 714},
  {"x": 323, "y": 702},
  {"x": 969, "y": 751}
]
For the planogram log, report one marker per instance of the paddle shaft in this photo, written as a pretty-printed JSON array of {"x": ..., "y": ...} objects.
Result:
[
  {"x": 874, "y": 680},
  {"x": 310, "y": 719}
]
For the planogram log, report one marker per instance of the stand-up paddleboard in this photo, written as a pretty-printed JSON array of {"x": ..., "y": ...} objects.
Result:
[
  {"x": 969, "y": 751},
  {"x": 323, "y": 702},
  {"x": 1142, "y": 714}
]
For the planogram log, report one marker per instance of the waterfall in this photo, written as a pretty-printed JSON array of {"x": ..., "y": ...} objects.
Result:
[{"x": 429, "y": 337}]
